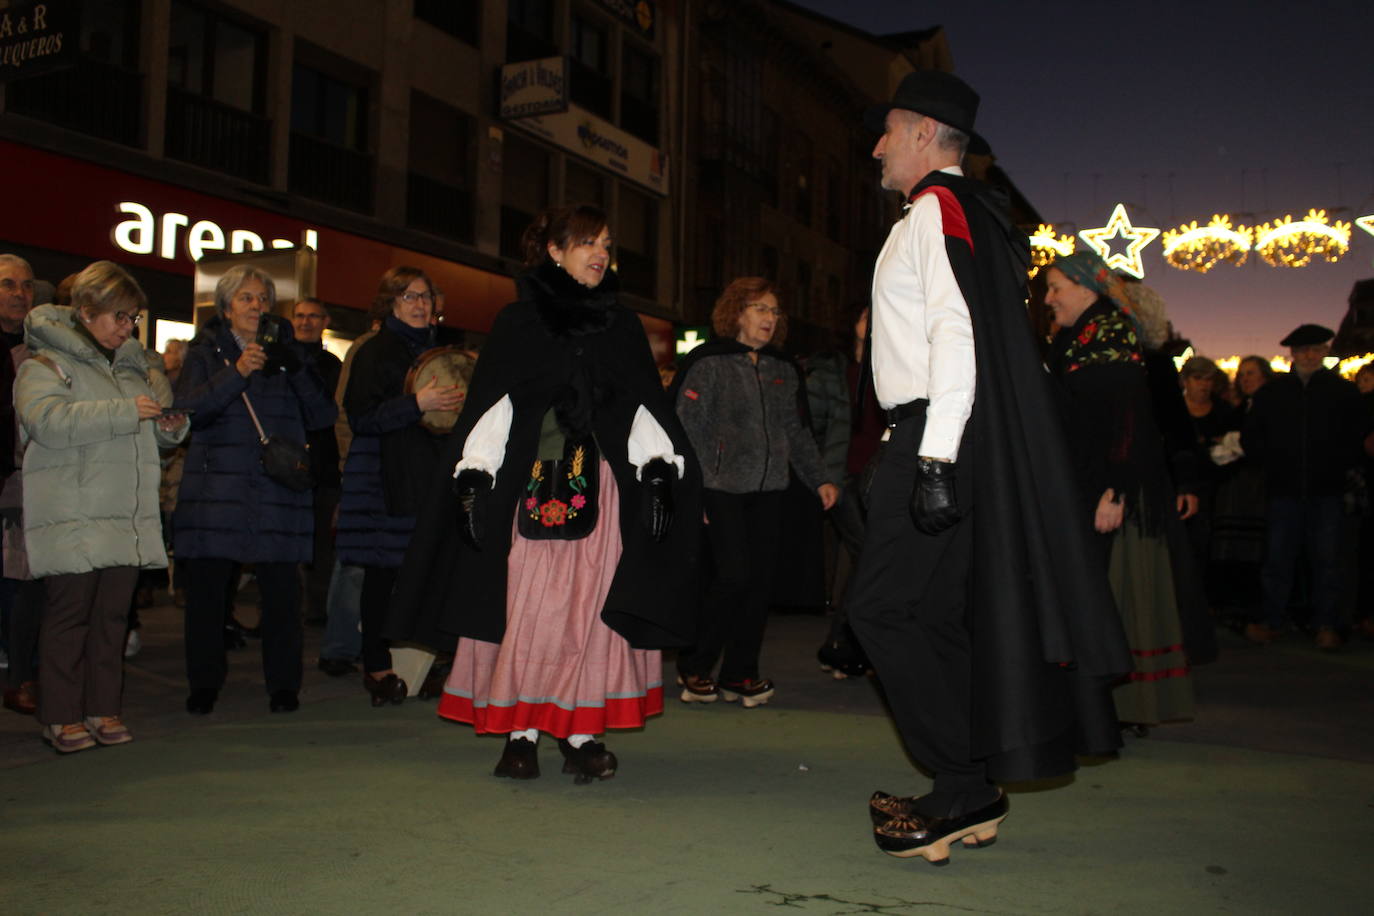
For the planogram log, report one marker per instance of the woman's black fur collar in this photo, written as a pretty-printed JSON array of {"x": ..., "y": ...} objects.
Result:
[{"x": 565, "y": 306}]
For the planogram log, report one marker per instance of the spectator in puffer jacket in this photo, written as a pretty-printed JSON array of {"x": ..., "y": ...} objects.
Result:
[
  {"x": 739, "y": 399},
  {"x": 91, "y": 516},
  {"x": 228, "y": 510}
]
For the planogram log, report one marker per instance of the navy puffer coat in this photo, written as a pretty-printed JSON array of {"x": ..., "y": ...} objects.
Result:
[{"x": 227, "y": 507}]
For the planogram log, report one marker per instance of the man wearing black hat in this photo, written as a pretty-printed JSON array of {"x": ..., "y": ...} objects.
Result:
[
  {"x": 978, "y": 596},
  {"x": 1306, "y": 429}
]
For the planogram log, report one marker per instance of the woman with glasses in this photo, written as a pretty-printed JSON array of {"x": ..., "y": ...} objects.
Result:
[
  {"x": 94, "y": 421},
  {"x": 742, "y": 402},
  {"x": 391, "y": 460},
  {"x": 229, "y": 511}
]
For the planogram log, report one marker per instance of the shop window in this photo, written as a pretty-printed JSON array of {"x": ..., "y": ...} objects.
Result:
[
  {"x": 460, "y": 18},
  {"x": 524, "y": 191},
  {"x": 329, "y": 139},
  {"x": 215, "y": 93},
  {"x": 101, "y": 94},
  {"x": 529, "y": 30},
  {"x": 589, "y": 66},
  {"x": 440, "y": 179},
  {"x": 636, "y": 243},
  {"x": 639, "y": 93}
]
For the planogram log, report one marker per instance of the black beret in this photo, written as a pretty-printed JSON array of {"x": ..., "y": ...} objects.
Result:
[{"x": 1306, "y": 335}]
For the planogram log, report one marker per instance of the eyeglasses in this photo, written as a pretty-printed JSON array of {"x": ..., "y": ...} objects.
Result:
[
  {"x": 410, "y": 297},
  {"x": 766, "y": 309},
  {"x": 125, "y": 318}
]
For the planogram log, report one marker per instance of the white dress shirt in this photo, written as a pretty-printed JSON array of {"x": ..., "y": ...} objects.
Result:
[{"x": 922, "y": 335}]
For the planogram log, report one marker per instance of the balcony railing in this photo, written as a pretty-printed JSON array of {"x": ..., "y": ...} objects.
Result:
[
  {"x": 330, "y": 173},
  {"x": 93, "y": 97},
  {"x": 217, "y": 136},
  {"x": 433, "y": 206}
]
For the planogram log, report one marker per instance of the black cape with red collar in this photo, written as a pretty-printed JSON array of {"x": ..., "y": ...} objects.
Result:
[
  {"x": 1047, "y": 640},
  {"x": 575, "y": 349}
]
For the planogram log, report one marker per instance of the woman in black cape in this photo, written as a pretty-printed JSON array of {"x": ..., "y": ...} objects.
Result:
[{"x": 560, "y": 546}]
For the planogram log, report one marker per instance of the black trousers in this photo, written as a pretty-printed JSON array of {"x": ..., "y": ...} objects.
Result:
[
  {"x": 378, "y": 583},
  {"x": 207, "y": 608},
  {"x": 26, "y": 601},
  {"x": 742, "y": 535},
  {"x": 316, "y": 574},
  {"x": 907, "y": 605}
]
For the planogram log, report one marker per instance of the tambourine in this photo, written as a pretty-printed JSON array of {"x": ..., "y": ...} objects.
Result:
[{"x": 447, "y": 366}]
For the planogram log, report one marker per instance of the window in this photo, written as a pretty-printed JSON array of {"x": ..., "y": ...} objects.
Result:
[
  {"x": 524, "y": 190},
  {"x": 439, "y": 185},
  {"x": 216, "y": 58},
  {"x": 529, "y": 30},
  {"x": 583, "y": 185},
  {"x": 834, "y": 201},
  {"x": 803, "y": 292},
  {"x": 639, "y": 93},
  {"x": 636, "y": 242},
  {"x": 590, "y": 79},
  {"x": 328, "y": 109},
  {"x": 109, "y": 31},
  {"x": 460, "y": 18},
  {"x": 801, "y": 145},
  {"x": 770, "y": 264}
]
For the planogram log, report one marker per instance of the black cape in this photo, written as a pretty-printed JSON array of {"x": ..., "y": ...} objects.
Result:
[
  {"x": 575, "y": 349},
  {"x": 1047, "y": 639}
]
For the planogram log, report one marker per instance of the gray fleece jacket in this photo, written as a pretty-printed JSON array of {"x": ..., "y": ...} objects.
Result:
[{"x": 743, "y": 420}]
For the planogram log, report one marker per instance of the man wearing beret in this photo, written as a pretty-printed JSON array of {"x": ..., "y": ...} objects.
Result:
[
  {"x": 979, "y": 600},
  {"x": 1306, "y": 430}
]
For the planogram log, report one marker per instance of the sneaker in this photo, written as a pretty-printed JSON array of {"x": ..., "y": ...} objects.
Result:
[
  {"x": 697, "y": 689},
  {"x": 132, "y": 644},
  {"x": 108, "y": 730},
  {"x": 750, "y": 691},
  {"x": 68, "y": 739}
]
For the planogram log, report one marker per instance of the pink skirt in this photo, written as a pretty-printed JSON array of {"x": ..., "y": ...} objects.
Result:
[{"x": 560, "y": 669}]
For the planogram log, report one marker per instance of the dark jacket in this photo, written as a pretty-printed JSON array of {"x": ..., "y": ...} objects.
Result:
[
  {"x": 745, "y": 418},
  {"x": 1046, "y": 639},
  {"x": 227, "y": 507},
  {"x": 574, "y": 349},
  {"x": 324, "y": 445},
  {"x": 392, "y": 459},
  {"x": 1305, "y": 436}
]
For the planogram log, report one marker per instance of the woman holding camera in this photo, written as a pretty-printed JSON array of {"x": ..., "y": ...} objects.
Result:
[{"x": 229, "y": 510}]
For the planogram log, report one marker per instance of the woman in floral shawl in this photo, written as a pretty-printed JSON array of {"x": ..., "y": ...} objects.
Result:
[{"x": 1123, "y": 468}]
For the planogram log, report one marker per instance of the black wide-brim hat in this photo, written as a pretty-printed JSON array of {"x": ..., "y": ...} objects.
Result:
[
  {"x": 1307, "y": 335},
  {"x": 933, "y": 93}
]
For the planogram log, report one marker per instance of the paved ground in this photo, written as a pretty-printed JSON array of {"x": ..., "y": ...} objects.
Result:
[{"x": 1256, "y": 807}]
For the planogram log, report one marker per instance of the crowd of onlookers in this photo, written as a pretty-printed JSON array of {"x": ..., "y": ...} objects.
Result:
[{"x": 251, "y": 448}]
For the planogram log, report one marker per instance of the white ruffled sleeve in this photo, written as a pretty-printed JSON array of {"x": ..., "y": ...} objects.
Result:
[
  {"x": 648, "y": 440},
  {"x": 485, "y": 448}
]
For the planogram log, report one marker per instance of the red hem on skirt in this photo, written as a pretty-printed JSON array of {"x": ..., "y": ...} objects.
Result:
[{"x": 627, "y": 712}]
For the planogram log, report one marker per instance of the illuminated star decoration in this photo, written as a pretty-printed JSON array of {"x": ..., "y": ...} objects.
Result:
[
  {"x": 1120, "y": 225},
  {"x": 1366, "y": 223},
  {"x": 1046, "y": 246}
]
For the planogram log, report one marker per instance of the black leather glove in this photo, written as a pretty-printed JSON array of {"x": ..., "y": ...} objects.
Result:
[
  {"x": 472, "y": 488},
  {"x": 657, "y": 478},
  {"x": 933, "y": 504}
]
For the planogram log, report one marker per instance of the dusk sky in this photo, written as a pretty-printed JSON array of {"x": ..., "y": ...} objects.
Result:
[{"x": 1256, "y": 110}]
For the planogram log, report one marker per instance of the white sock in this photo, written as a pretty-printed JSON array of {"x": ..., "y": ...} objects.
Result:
[
  {"x": 578, "y": 740},
  {"x": 529, "y": 734}
]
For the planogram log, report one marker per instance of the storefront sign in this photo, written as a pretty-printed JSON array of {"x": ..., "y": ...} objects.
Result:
[
  {"x": 36, "y": 37},
  {"x": 579, "y": 131},
  {"x": 534, "y": 87},
  {"x": 145, "y": 233},
  {"x": 639, "y": 14}
]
